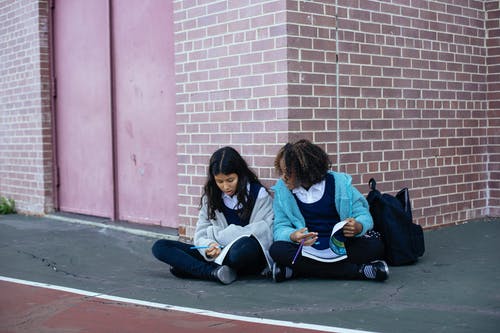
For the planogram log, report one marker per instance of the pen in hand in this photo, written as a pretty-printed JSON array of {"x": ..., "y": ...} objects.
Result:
[{"x": 298, "y": 250}]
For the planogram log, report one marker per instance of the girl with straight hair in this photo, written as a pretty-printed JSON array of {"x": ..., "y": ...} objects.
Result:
[{"x": 234, "y": 229}]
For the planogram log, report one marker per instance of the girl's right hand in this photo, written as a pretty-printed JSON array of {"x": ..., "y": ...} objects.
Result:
[
  {"x": 298, "y": 235},
  {"x": 213, "y": 251}
]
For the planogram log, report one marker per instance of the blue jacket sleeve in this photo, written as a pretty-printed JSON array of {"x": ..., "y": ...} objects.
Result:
[
  {"x": 287, "y": 217},
  {"x": 351, "y": 203}
]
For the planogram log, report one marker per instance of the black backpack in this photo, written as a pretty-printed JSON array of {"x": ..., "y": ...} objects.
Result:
[{"x": 403, "y": 239}]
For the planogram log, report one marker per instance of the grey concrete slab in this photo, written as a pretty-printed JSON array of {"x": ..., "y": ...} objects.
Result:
[{"x": 453, "y": 288}]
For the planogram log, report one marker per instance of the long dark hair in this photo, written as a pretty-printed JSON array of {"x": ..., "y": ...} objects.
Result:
[
  {"x": 305, "y": 160},
  {"x": 227, "y": 160}
]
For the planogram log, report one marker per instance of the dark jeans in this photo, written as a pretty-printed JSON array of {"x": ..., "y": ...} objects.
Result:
[
  {"x": 359, "y": 251},
  {"x": 245, "y": 257}
]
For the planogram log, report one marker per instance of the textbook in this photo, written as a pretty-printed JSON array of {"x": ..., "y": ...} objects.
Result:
[{"x": 335, "y": 252}]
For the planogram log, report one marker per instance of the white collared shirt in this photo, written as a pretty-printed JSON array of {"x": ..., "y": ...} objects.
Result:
[
  {"x": 314, "y": 194},
  {"x": 233, "y": 203}
]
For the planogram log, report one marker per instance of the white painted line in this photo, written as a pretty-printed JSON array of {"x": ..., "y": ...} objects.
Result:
[
  {"x": 114, "y": 227},
  {"x": 200, "y": 312}
]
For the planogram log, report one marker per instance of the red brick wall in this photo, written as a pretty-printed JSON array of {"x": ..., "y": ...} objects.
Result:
[
  {"x": 231, "y": 67},
  {"x": 411, "y": 107},
  {"x": 25, "y": 117},
  {"x": 493, "y": 61},
  {"x": 413, "y": 103}
]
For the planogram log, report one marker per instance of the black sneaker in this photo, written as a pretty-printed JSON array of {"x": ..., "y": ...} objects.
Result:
[
  {"x": 376, "y": 270},
  {"x": 224, "y": 274},
  {"x": 281, "y": 273},
  {"x": 178, "y": 273}
]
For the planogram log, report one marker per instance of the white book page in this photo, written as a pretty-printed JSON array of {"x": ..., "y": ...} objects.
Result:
[{"x": 326, "y": 255}]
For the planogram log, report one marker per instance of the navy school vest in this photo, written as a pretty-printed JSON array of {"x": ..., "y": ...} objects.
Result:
[
  {"x": 321, "y": 216},
  {"x": 231, "y": 215}
]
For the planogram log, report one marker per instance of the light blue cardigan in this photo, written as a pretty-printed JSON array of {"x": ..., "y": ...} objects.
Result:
[{"x": 348, "y": 201}]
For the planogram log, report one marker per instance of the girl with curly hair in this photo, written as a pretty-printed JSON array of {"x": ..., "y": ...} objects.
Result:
[{"x": 309, "y": 201}]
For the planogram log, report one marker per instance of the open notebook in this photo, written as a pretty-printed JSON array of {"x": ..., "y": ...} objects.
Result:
[{"x": 335, "y": 252}]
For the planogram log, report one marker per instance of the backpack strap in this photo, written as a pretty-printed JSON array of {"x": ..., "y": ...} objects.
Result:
[{"x": 372, "y": 184}]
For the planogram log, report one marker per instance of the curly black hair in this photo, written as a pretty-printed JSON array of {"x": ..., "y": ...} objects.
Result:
[{"x": 307, "y": 162}]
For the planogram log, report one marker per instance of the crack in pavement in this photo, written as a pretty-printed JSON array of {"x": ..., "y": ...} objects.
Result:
[{"x": 52, "y": 264}]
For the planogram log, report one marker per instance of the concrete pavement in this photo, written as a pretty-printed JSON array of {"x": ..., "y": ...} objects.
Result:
[{"x": 453, "y": 288}]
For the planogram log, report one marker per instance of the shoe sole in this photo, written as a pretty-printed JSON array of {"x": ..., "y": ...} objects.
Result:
[
  {"x": 274, "y": 273},
  {"x": 275, "y": 279},
  {"x": 226, "y": 275}
]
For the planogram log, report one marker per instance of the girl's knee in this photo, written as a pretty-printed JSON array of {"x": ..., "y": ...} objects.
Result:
[
  {"x": 246, "y": 252},
  {"x": 280, "y": 251},
  {"x": 273, "y": 250},
  {"x": 159, "y": 247},
  {"x": 155, "y": 248}
]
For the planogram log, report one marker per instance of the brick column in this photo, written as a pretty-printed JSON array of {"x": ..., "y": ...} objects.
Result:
[{"x": 25, "y": 114}]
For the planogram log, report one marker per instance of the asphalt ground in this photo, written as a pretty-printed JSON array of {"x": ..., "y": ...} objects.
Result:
[{"x": 454, "y": 287}]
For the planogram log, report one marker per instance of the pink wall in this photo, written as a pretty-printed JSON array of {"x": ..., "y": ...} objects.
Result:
[{"x": 417, "y": 103}]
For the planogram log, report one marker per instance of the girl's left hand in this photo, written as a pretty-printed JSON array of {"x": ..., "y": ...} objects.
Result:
[{"x": 352, "y": 228}]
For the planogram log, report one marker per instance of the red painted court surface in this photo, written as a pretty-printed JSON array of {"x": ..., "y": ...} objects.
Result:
[{"x": 35, "y": 308}]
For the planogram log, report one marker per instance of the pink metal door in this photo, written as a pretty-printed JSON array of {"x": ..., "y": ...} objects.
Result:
[
  {"x": 145, "y": 117},
  {"x": 82, "y": 67},
  {"x": 115, "y": 109}
]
